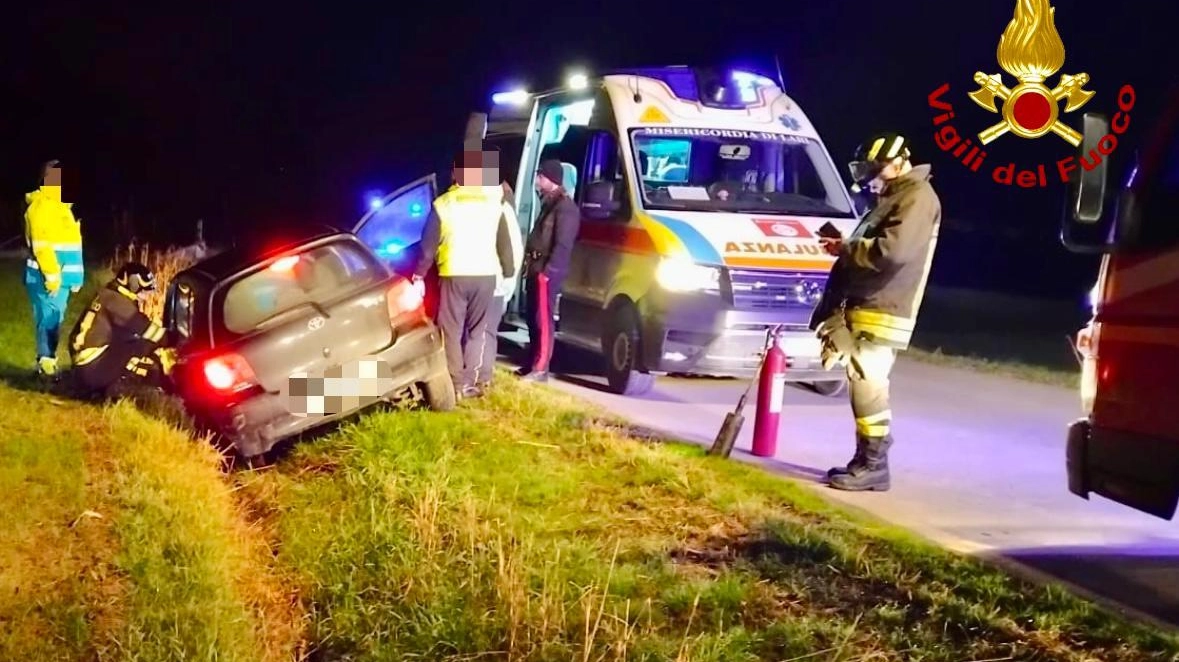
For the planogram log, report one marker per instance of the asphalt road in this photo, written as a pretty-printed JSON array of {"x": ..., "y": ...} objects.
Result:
[{"x": 978, "y": 466}]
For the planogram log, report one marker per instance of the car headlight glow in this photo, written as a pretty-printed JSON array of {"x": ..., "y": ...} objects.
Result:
[{"x": 681, "y": 275}]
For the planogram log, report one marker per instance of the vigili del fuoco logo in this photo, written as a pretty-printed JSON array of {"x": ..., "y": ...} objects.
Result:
[{"x": 1031, "y": 51}]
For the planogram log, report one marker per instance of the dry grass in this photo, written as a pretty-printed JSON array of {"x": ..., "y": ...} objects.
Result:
[{"x": 164, "y": 262}]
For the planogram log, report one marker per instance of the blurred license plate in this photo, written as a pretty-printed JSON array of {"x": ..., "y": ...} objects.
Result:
[{"x": 339, "y": 389}]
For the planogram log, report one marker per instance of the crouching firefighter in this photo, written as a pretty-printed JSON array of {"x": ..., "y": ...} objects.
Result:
[
  {"x": 869, "y": 309},
  {"x": 115, "y": 348}
]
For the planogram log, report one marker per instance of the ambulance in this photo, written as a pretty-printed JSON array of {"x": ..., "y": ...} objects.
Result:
[
  {"x": 701, "y": 193},
  {"x": 1125, "y": 447}
]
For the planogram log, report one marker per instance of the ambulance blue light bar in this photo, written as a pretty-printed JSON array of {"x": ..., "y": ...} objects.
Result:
[
  {"x": 748, "y": 83},
  {"x": 511, "y": 98}
]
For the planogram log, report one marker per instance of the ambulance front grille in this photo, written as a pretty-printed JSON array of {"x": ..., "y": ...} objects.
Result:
[{"x": 755, "y": 289}]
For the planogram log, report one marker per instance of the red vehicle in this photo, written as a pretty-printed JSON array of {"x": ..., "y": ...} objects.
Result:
[{"x": 1126, "y": 447}]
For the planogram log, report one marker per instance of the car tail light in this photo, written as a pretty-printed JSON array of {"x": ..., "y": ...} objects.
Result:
[
  {"x": 228, "y": 373},
  {"x": 405, "y": 301}
]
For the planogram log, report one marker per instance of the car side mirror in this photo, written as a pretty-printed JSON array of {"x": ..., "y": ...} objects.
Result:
[
  {"x": 1087, "y": 222},
  {"x": 602, "y": 200}
]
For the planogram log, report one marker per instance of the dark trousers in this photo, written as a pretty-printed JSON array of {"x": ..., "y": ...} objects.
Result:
[
  {"x": 463, "y": 305},
  {"x": 491, "y": 347},
  {"x": 122, "y": 368},
  {"x": 542, "y": 320}
]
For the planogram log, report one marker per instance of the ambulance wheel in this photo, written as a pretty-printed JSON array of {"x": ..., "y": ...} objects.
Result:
[
  {"x": 622, "y": 348},
  {"x": 830, "y": 388}
]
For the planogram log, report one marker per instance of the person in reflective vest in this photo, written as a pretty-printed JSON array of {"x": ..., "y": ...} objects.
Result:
[
  {"x": 869, "y": 309},
  {"x": 467, "y": 236},
  {"x": 114, "y": 347},
  {"x": 53, "y": 268}
]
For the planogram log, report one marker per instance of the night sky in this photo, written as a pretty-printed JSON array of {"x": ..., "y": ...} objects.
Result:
[{"x": 264, "y": 112}]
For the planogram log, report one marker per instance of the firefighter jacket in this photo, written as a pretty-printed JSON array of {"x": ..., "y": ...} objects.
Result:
[
  {"x": 113, "y": 320},
  {"x": 550, "y": 244},
  {"x": 54, "y": 240},
  {"x": 879, "y": 278},
  {"x": 467, "y": 234}
]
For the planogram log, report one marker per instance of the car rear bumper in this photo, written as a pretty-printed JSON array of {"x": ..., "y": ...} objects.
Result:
[
  {"x": 257, "y": 424},
  {"x": 1134, "y": 470}
]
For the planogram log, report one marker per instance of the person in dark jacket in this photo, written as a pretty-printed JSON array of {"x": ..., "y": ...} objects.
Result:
[
  {"x": 869, "y": 309},
  {"x": 115, "y": 348},
  {"x": 547, "y": 254}
]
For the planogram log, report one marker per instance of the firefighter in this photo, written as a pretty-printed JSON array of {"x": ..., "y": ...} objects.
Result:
[
  {"x": 115, "y": 348},
  {"x": 546, "y": 254},
  {"x": 467, "y": 235},
  {"x": 869, "y": 310},
  {"x": 53, "y": 269}
]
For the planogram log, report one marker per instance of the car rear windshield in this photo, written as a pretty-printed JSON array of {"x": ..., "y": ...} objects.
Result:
[{"x": 311, "y": 279}]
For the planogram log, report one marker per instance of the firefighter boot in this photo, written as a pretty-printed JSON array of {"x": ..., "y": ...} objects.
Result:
[
  {"x": 872, "y": 475},
  {"x": 856, "y": 461}
]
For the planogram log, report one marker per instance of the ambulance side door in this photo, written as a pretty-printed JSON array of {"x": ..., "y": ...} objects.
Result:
[{"x": 605, "y": 220}]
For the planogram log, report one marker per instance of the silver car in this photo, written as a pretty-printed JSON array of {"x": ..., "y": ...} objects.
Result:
[{"x": 278, "y": 339}]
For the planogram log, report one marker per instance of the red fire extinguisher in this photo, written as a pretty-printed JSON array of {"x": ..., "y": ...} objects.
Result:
[{"x": 771, "y": 389}]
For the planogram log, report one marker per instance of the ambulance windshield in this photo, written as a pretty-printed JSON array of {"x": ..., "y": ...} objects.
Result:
[{"x": 734, "y": 171}]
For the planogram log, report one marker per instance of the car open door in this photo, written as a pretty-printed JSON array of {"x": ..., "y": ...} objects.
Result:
[{"x": 394, "y": 227}]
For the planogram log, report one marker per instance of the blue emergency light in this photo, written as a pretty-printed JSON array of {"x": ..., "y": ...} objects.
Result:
[
  {"x": 375, "y": 203},
  {"x": 510, "y": 98},
  {"x": 415, "y": 209}
]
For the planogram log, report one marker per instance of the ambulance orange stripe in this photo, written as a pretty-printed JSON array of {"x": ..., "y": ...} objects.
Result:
[
  {"x": 622, "y": 237},
  {"x": 778, "y": 263}
]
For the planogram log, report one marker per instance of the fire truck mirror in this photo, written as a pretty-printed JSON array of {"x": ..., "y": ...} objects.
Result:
[{"x": 1088, "y": 182}]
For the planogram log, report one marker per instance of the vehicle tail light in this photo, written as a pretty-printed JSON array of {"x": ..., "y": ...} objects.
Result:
[
  {"x": 405, "y": 302},
  {"x": 228, "y": 373}
]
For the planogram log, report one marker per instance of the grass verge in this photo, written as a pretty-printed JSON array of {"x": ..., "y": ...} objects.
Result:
[
  {"x": 520, "y": 527},
  {"x": 121, "y": 539},
  {"x": 526, "y": 528}
]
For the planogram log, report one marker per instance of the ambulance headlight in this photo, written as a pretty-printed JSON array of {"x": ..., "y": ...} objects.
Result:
[{"x": 682, "y": 275}]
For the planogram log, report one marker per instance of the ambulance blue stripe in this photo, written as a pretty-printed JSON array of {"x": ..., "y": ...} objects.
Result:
[{"x": 699, "y": 248}]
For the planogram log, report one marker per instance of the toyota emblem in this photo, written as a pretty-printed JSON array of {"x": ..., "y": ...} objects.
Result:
[{"x": 315, "y": 323}]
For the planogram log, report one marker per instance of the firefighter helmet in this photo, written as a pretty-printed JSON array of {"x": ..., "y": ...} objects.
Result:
[
  {"x": 136, "y": 277},
  {"x": 875, "y": 153}
]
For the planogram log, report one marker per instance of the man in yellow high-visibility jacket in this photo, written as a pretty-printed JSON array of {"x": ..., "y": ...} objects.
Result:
[
  {"x": 467, "y": 235},
  {"x": 54, "y": 267}
]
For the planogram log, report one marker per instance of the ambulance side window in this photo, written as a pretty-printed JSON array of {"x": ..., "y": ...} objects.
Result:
[{"x": 603, "y": 163}]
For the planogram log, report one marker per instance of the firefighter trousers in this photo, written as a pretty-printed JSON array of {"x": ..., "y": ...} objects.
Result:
[
  {"x": 868, "y": 369},
  {"x": 463, "y": 305},
  {"x": 122, "y": 367},
  {"x": 543, "y": 294}
]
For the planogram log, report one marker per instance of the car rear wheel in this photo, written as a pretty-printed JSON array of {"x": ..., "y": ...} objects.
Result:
[
  {"x": 440, "y": 395},
  {"x": 622, "y": 347}
]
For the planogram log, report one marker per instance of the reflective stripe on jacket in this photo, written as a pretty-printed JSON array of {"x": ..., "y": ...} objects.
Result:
[
  {"x": 54, "y": 239},
  {"x": 112, "y": 317},
  {"x": 881, "y": 274},
  {"x": 469, "y": 219}
]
